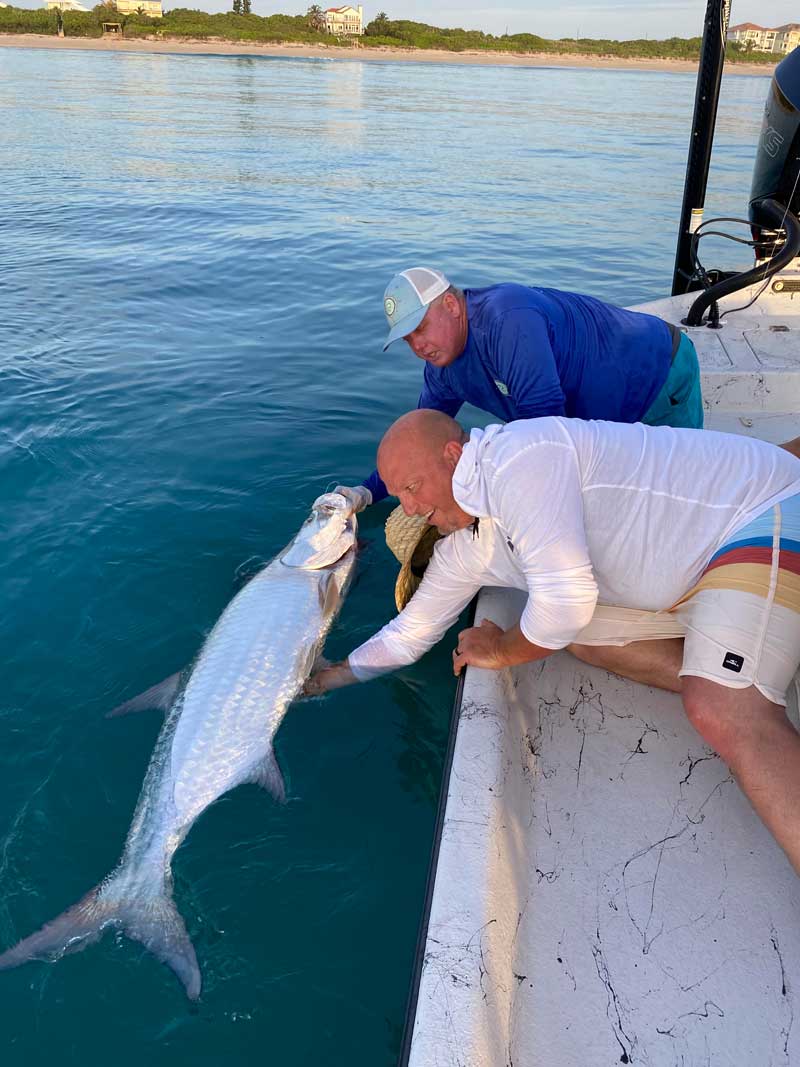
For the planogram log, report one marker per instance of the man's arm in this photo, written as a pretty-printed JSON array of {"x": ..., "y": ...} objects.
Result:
[
  {"x": 491, "y": 647},
  {"x": 538, "y": 502},
  {"x": 486, "y": 645},
  {"x": 447, "y": 587}
]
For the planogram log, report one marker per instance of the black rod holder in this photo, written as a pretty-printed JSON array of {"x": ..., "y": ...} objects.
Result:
[{"x": 709, "y": 76}]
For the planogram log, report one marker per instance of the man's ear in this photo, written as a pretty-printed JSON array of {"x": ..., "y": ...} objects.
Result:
[
  {"x": 452, "y": 453},
  {"x": 451, "y": 304}
]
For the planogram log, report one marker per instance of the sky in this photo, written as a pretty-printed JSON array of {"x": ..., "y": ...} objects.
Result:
[{"x": 618, "y": 20}]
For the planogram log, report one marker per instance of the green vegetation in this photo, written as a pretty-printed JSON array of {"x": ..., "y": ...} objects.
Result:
[
  {"x": 178, "y": 23},
  {"x": 240, "y": 25},
  {"x": 400, "y": 34}
]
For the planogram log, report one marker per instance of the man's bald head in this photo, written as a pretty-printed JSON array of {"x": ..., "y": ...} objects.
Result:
[
  {"x": 424, "y": 431},
  {"x": 416, "y": 460}
]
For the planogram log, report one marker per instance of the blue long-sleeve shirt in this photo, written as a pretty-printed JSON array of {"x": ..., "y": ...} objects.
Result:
[{"x": 532, "y": 352}]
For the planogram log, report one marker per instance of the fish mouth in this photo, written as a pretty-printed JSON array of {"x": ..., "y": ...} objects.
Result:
[
  {"x": 330, "y": 503},
  {"x": 325, "y": 537}
]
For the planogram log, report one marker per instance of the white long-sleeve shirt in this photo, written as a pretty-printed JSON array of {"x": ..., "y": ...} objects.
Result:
[{"x": 577, "y": 513}]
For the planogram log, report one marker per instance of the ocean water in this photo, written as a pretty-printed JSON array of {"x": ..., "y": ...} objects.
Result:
[{"x": 192, "y": 257}]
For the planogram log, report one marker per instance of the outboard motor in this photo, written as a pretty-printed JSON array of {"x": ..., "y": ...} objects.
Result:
[
  {"x": 775, "y": 175},
  {"x": 774, "y": 195}
]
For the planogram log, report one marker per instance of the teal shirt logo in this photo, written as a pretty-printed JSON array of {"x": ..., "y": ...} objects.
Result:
[{"x": 501, "y": 387}]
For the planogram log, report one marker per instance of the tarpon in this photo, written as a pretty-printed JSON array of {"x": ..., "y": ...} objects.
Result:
[{"x": 221, "y": 718}]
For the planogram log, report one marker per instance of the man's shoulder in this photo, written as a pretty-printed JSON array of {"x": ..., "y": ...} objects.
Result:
[
  {"x": 496, "y": 300},
  {"x": 516, "y": 437},
  {"x": 500, "y": 456}
]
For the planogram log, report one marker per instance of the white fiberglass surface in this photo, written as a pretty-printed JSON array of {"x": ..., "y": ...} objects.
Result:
[{"x": 604, "y": 892}]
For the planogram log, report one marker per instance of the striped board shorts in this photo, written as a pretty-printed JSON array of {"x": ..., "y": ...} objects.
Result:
[{"x": 742, "y": 619}]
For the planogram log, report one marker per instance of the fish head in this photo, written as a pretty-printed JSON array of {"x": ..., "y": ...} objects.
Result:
[{"x": 328, "y": 533}]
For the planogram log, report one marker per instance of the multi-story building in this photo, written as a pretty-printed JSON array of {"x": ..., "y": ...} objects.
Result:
[
  {"x": 140, "y": 7},
  {"x": 787, "y": 37},
  {"x": 782, "y": 39},
  {"x": 757, "y": 37},
  {"x": 65, "y": 5},
  {"x": 345, "y": 20}
]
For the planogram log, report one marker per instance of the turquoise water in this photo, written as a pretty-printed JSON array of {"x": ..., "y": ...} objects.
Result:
[{"x": 192, "y": 259}]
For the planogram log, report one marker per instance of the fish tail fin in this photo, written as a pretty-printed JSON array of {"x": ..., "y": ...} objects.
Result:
[
  {"x": 153, "y": 921},
  {"x": 72, "y": 931},
  {"x": 157, "y": 924}
]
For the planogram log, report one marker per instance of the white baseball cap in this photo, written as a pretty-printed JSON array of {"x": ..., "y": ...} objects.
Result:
[{"x": 407, "y": 298}]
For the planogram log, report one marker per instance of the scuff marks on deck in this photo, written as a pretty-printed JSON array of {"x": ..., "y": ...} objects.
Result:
[{"x": 602, "y": 887}]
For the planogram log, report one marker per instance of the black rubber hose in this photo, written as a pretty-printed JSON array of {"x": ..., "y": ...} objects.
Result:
[{"x": 791, "y": 246}]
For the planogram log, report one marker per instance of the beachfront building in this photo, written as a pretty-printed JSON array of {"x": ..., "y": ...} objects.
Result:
[
  {"x": 141, "y": 7},
  {"x": 65, "y": 5},
  {"x": 781, "y": 39},
  {"x": 345, "y": 20},
  {"x": 759, "y": 38},
  {"x": 787, "y": 38}
]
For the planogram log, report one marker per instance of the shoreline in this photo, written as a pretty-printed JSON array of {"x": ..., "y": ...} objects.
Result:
[{"x": 384, "y": 54}]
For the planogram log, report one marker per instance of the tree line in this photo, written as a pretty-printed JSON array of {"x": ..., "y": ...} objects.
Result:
[{"x": 239, "y": 24}]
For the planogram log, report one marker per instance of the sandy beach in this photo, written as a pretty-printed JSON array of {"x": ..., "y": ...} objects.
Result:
[{"x": 361, "y": 53}]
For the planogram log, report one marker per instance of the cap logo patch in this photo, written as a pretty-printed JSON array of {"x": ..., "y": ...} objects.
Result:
[{"x": 389, "y": 306}]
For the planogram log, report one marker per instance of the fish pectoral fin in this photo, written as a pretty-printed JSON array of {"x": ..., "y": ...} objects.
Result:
[
  {"x": 328, "y": 596},
  {"x": 157, "y": 696},
  {"x": 268, "y": 774}
]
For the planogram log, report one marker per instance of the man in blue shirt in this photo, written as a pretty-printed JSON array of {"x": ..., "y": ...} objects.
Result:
[{"x": 520, "y": 352}]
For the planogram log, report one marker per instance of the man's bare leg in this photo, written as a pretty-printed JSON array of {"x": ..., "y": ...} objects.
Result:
[
  {"x": 761, "y": 747},
  {"x": 792, "y": 446},
  {"x": 653, "y": 663}
]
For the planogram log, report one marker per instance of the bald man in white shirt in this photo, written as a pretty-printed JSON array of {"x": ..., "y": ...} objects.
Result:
[{"x": 692, "y": 538}]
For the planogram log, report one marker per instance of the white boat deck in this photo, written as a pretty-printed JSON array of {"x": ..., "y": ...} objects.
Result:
[{"x": 604, "y": 893}]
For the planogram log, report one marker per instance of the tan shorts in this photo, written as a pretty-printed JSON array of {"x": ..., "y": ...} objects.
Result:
[{"x": 741, "y": 622}]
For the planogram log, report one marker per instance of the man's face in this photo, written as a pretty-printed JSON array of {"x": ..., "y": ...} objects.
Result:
[
  {"x": 424, "y": 486},
  {"x": 439, "y": 338}
]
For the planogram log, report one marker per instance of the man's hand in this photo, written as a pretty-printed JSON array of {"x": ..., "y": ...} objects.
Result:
[
  {"x": 330, "y": 676},
  {"x": 479, "y": 647},
  {"x": 489, "y": 646},
  {"x": 358, "y": 495}
]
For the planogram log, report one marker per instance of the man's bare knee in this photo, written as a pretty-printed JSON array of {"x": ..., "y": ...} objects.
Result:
[{"x": 731, "y": 721}]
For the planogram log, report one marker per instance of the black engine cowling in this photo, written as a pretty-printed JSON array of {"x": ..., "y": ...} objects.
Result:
[{"x": 778, "y": 158}]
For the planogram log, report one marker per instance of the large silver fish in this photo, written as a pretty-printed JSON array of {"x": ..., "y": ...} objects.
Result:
[{"x": 217, "y": 734}]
